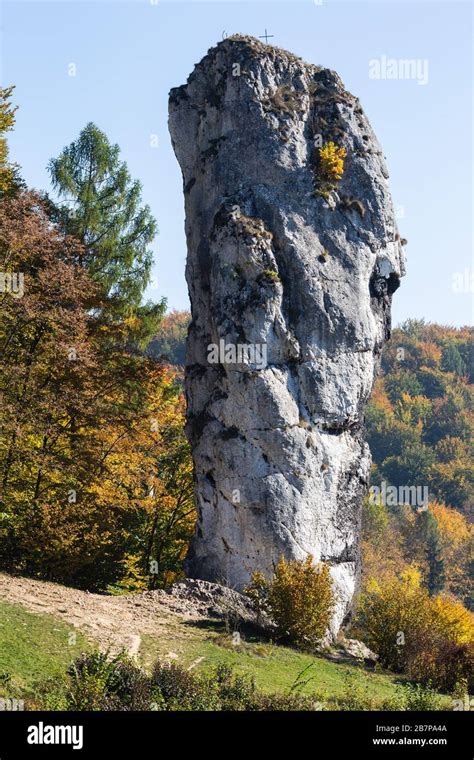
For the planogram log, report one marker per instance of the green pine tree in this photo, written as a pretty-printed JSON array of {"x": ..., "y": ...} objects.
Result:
[
  {"x": 102, "y": 207},
  {"x": 452, "y": 360}
]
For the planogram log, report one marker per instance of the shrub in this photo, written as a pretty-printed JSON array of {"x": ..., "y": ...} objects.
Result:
[
  {"x": 222, "y": 689},
  {"x": 100, "y": 682},
  {"x": 182, "y": 690},
  {"x": 270, "y": 276},
  {"x": 392, "y": 614},
  {"x": 284, "y": 702},
  {"x": 417, "y": 698},
  {"x": 236, "y": 692},
  {"x": 299, "y": 599},
  {"x": 429, "y": 638},
  {"x": 444, "y": 664},
  {"x": 331, "y": 165},
  {"x": 354, "y": 696}
]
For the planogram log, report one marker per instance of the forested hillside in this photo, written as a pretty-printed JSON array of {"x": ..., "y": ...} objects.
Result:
[{"x": 420, "y": 430}]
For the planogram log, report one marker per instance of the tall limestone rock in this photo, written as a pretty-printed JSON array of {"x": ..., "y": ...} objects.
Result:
[{"x": 290, "y": 278}]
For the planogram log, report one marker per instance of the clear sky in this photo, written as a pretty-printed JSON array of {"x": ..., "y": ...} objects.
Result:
[{"x": 128, "y": 55}]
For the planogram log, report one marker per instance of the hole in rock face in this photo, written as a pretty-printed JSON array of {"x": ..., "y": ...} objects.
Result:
[
  {"x": 381, "y": 290},
  {"x": 383, "y": 286},
  {"x": 393, "y": 283}
]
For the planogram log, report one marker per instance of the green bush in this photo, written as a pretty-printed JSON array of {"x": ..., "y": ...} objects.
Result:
[
  {"x": 407, "y": 697},
  {"x": 418, "y": 698},
  {"x": 285, "y": 703},
  {"x": 236, "y": 692},
  {"x": 182, "y": 690},
  {"x": 100, "y": 682}
]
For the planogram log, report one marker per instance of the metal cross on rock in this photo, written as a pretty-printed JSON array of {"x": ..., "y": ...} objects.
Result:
[{"x": 266, "y": 36}]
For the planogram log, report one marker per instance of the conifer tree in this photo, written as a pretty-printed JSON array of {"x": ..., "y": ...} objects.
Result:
[
  {"x": 7, "y": 122},
  {"x": 102, "y": 208}
]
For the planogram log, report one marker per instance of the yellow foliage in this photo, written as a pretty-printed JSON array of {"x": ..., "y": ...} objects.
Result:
[
  {"x": 411, "y": 578},
  {"x": 299, "y": 599},
  {"x": 430, "y": 353},
  {"x": 331, "y": 163},
  {"x": 380, "y": 399},
  {"x": 412, "y": 410},
  {"x": 452, "y": 619},
  {"x": 416, "y": 633},
  {"x": 456, "y": 536}
]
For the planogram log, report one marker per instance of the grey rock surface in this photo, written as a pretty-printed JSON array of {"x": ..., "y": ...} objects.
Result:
[
  {"x": 211, "y": 600},
  {"x": 280, "y": 458},
  {"x": 357, "y": 650}
]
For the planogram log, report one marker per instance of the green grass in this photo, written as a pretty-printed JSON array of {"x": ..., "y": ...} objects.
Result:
[
  {"x": 33, "y": 648},
  {"x": 275, "y": 668}
]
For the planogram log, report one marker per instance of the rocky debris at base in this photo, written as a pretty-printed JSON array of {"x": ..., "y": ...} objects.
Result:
[
  {"x": 349, "y": 650},
  {"x": 202, "y": 598}
]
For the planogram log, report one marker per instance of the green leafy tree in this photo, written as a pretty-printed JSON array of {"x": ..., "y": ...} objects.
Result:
[
  {"x": 102, "y": 208},
  {"x": 413, "y": 328},
  {"x": 412, "y": 467},
  {"x": 402, "y": 382}
]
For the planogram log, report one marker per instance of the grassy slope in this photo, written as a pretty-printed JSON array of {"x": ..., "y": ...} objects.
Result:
[
  {"x": 274, "y": 667},
  {"x": 33, "y": 648}
]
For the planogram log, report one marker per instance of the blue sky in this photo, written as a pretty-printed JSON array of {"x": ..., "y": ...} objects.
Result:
[{"x": 129, "y": 54}]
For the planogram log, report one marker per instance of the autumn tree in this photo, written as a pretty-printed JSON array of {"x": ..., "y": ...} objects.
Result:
[
  {"x": 94, "y": 468},
  {"x": 457, "y": 542},
  {"x": 420, "y": 420},
  {"x": 430, "y": 638},
  {"x": 169, "y": 342}
]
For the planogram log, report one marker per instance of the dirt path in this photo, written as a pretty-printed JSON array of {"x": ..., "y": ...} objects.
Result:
[{"x": 115, "y": 622}]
